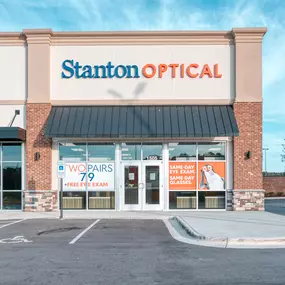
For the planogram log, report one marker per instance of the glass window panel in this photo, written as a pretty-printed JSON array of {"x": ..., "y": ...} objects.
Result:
[
  {"x": 152, "y": 151},
  {"x": 101, "y": 152},
  {"x": 12, "y": 175},
  {"x": 131, "y": 185},
  {"x": 12, "y": 152},
  {"x": 74, "y": 200},
  {"x": 101, "y": 200},
  {"x": 12, "y": 200},
  {"x": 131, "y": 151},
  {"x": 182, "y": 151},
  {"x": 72, "y": 151},
  {"x": 152, "y": 184},
  {"x": 211, "y": 151},
  {"x": 211, "y": 200},
  {"x": 182, "y": 200},
  {"x": 212, "y": 175}
]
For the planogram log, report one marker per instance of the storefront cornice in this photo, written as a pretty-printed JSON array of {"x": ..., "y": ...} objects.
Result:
[
  {"x": 38, "y": 36},
  {"x": 142, "y": 38},
  {"x": 248, "y": 35},
  {"x": 42, "y": 36},
  {"x": 12, "y": 39},
  {"x": 47, "y": 36}
]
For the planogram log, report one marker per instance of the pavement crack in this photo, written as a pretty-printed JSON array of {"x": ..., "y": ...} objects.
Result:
[{"x": 58, "y": 230}]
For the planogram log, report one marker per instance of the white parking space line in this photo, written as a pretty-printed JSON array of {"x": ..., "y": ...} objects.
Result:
[
  {"x": 83, "y": 232},
  {"x": 15, "y": 222}
]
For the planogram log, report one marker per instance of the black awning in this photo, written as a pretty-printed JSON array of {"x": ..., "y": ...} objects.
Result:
[
  {"x": 141, "y": 122},
  {"x": 12, "y": 134}
]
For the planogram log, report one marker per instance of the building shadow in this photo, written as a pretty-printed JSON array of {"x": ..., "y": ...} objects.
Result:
[{"x": 137, "y": 113}]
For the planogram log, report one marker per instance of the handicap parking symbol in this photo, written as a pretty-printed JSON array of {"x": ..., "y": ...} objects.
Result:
[{"x": 17, "y": 239}]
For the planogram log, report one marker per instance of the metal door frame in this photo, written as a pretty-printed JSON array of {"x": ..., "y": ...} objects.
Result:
[
  {"x": 153, "y": 207},
  {"x": 131, "y": 207},
  {"x": 142, "y": 206}
]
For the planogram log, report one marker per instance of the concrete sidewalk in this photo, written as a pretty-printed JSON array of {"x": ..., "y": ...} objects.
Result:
[
  {"x": 250, "y": 229},
  {"x": 70, "y": 214},
  {"x": 236, "y": 224}
]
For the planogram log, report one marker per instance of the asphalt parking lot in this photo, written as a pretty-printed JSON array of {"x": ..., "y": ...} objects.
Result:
[
  {"x": 123, "y": 252},
  {"x": 276, "y": 206}
]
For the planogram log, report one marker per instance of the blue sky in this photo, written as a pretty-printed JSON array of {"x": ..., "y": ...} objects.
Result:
[{"x": 72, "y": 15}]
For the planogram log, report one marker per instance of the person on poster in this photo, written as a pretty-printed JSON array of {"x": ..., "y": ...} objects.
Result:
[{"x": 210, "y": 179}]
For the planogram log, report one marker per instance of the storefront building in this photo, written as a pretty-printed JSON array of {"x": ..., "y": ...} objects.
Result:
[{"x": 152, "y": 121}]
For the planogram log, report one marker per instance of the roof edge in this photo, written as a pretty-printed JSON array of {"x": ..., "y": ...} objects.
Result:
[{"x": 170, "y": 37}]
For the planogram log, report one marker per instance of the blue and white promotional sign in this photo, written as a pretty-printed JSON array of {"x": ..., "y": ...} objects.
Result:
[{"x": 60, "y": 169}]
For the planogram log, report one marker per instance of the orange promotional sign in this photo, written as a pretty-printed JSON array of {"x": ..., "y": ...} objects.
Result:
[
  {"x": 211, "y": 175},
  {"x": 182, "y": 175}
]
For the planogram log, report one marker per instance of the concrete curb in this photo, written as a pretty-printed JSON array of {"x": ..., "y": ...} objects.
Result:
[
  {"x": 197, "y": 242},
  {"x": 257, "y": 241},
  {"x": 12, "y": 215},
  {"x": 189, "y": 229},
  {"x": 254, "y": 242}
]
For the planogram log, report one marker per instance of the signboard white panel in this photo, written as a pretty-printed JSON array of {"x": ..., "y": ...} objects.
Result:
[
  {"x": 13, "y": 69},
  {"x": 147, "y": 72},
  {"x": 7, "y": 113},
  {"x": 94, "y": 176}
]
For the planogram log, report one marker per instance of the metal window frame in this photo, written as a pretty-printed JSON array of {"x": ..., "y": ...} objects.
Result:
[
  {"x": 165, "y": 153},
  {"x": 197, "y": 190},
  {"x": 86, "y": 177},
  {"x": 22, "y": 174}
]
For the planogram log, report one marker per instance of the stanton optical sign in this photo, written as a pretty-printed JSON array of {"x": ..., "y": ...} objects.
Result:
[{"x": 73, "y": 69}]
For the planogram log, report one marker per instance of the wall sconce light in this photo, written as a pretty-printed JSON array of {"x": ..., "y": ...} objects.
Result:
[
  {"x": 17, "y": 112},
  {"x": 37, "y": 156},
  {"x": 248, "y": 154}
]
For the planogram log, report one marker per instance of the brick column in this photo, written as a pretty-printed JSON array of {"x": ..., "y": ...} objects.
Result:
[
  {"x": 248, "y": 181},
  {"x": 248, "y": 193},
  {"x": 38, "y": 171},
  {"x": 38, "y": 195}
]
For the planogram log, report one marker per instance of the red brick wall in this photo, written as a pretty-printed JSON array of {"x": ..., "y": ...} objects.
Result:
[
  {"x": 274, "y": 184},
  {"x": 248, "y": 172},
  {"x": 38, "y": 173}
]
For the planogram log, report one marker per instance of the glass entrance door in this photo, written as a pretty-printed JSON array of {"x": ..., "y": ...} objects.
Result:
[
  {"x": 142, "y": 185},
  {"x": 132, "y": 185},
  {"x": 153, "y": 185}
]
